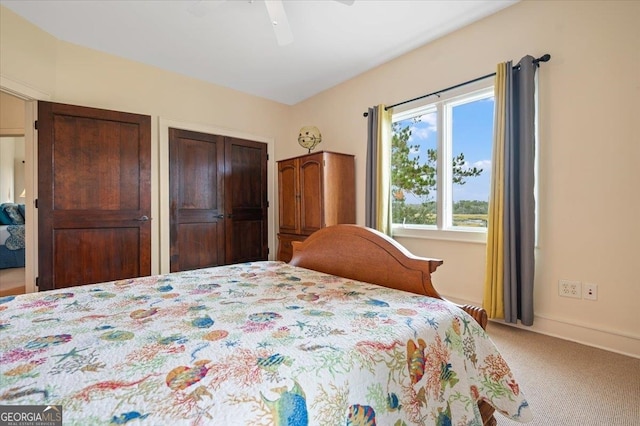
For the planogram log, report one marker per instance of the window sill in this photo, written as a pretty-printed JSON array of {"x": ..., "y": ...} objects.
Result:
[{"x": 466, "y": 235}]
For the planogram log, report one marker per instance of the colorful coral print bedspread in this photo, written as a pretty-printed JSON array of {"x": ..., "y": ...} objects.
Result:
[{"x": 262, "y": 343}]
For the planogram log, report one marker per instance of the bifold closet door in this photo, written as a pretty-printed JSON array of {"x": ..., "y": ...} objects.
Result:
[{"x": 196, "y": 200}]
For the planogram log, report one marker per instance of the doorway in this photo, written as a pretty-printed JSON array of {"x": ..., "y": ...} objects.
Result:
[
  {"x": 12, "y": 195},
  {"x": 29, "y": 97}
]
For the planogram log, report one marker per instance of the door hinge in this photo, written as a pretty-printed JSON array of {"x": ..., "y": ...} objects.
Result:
[
  {"x": 35, "y": 203},
  {"x": 38, "y": 282},
  {"x": 35, "y": 124}
]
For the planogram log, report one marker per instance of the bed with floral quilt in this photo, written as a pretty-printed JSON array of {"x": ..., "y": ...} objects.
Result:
[{"x": 261, "y": 343}]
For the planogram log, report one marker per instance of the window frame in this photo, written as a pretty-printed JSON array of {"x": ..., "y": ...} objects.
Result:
[{"x": 444, "y": 229}]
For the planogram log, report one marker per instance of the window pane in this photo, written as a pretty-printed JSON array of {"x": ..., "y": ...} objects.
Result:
[
  {"x": 413, "y": 169},
  {"x": 472, "y": 139}
]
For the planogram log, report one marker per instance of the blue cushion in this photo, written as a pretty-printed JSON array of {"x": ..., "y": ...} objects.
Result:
[
  {"x": 12, "y": 211},
  {"x": 4, "y": 218},
  {"x": 22, "y": 211}
]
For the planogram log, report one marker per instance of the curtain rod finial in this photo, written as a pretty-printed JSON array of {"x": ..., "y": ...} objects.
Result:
[
  {"x": 544, "y": 58},
  {"x": 365, "y": 114}
]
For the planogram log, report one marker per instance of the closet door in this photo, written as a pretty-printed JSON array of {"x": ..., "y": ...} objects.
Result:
[
  {"x": 196, "y": 200},
  {"x": 94, "y": 195},
  {"x": 245, "y": 200}
]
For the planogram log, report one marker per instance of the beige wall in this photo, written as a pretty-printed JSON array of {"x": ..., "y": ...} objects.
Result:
[
  {"x": 589, "y": 143},
  {"x": 7, "y": 153},
  {"x": 28, "y": 53},
  {"x": 589, "y": 153},
  {"x": 11, "y": 115}
]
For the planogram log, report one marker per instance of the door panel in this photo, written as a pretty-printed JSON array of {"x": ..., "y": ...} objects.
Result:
[
  {"x": 245, "y": 200},
  {"x": 94, "y": 171},
  {"x": 105, "y": 255},
  {"x": 248, "y": 241},
  {"x": 196, "y": 162},
  {"x": 94, "y": 195},
  {"x": 199, "y": 245}
]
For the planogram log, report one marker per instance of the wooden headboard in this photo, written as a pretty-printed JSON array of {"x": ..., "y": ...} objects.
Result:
[{"x": 364, "y": 254}]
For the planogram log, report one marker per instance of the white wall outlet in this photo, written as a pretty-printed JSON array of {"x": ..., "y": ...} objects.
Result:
[
  {"x": 568, "y": 288},
  {"x": 590, "y": 291}
]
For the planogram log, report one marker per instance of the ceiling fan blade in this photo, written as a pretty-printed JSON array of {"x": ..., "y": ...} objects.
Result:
[{"x": 279, "y": 20}]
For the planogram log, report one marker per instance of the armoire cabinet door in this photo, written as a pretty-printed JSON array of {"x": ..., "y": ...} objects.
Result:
[
  {"x": 311, "y": 194},
  {"x": 288, "y": 196}
]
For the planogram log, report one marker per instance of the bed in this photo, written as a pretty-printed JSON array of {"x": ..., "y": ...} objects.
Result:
[{"x": 351, "y": 331}]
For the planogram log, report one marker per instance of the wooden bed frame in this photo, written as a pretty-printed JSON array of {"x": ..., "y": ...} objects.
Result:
[{"x": 364, "y": 254}]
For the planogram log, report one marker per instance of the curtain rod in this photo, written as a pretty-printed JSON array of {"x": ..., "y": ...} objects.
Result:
[{"x": 544, "y": 58}]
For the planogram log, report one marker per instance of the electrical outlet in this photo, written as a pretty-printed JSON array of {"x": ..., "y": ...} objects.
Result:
[
  {"x": 568, "y": 288},
  {"x": 590, "y": 291}
]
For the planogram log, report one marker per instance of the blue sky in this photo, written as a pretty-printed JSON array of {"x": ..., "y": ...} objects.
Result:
[{"x": 472, "y": 135}]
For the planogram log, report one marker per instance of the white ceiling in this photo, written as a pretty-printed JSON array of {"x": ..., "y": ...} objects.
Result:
[{"x": 232, "y": 43}]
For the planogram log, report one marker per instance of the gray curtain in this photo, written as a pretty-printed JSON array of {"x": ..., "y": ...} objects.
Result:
[
  {"x": 371, "y": 194},
  {"x": 519, "y": 202}
]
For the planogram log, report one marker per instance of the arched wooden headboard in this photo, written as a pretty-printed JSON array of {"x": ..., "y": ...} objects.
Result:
[{"x": 367, "y": 255}]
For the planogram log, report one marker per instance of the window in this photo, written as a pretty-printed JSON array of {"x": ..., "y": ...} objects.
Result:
[{"x": 441, "y": 165}]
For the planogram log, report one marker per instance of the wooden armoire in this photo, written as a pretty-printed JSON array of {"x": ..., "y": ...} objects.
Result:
[{"x": 314, "y": 191}]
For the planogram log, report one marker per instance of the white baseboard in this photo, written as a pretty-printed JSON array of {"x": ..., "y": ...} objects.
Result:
[{"x": 610, "y": 340}]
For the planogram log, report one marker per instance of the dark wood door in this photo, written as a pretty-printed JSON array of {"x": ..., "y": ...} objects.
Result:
[
  {"x": 196, "y": 201},
  {"x": 245, "y": 200},
  {"x": 94, "y": 195},
  {"x": 218, "y": 200}
]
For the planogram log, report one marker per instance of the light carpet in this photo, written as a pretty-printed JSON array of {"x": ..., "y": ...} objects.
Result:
[{"x": 567, "y": 383}]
